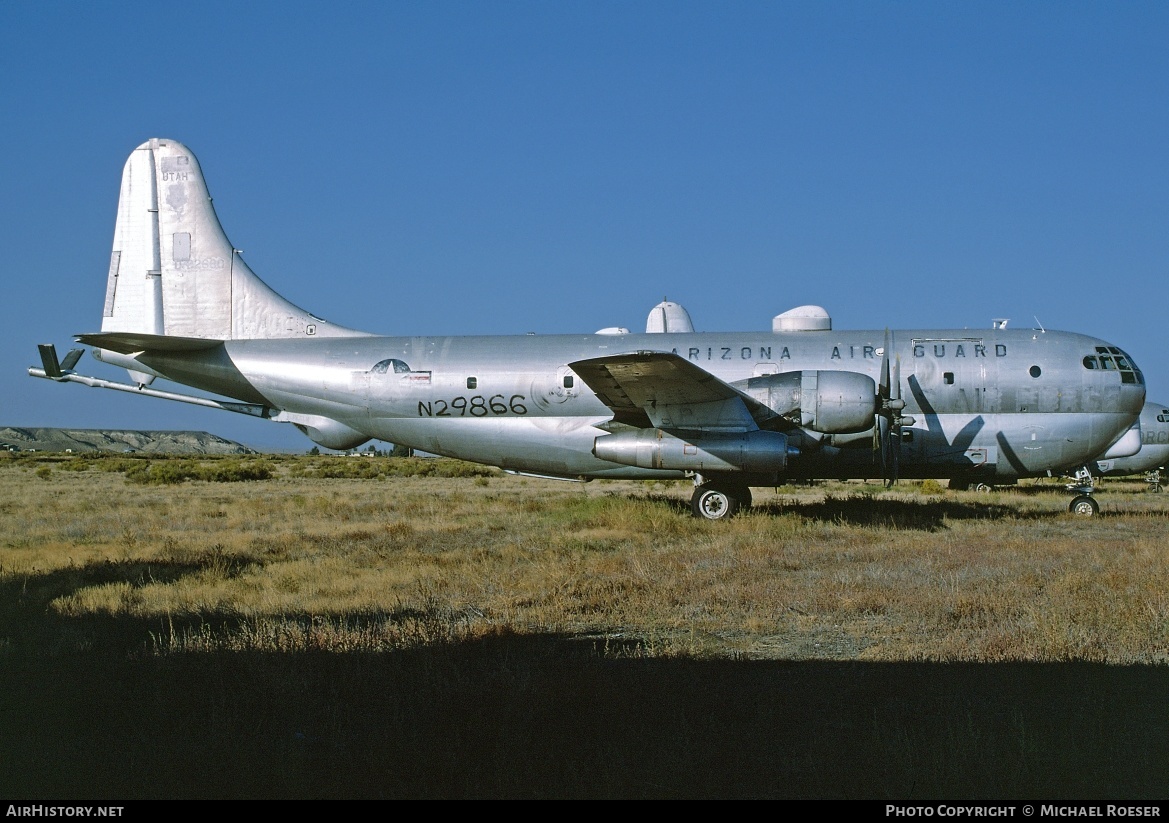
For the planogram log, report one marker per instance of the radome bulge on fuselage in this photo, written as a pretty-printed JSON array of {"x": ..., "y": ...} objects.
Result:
[
  {"x": 732, "y": 409},
  {"x": 1152, "y": 459}
]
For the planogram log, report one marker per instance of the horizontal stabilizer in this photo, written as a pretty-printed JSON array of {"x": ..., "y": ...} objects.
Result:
[{"x": 133, "y": 342}]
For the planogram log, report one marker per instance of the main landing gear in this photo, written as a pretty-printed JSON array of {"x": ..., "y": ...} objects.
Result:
[
  {"x": 1083, "y": 503},
  {"x": 719, "y": 499},
  {"x": 977, "y": 485}
]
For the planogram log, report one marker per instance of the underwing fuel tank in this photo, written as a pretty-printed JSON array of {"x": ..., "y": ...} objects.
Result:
[{"x": 754, "y": 451}]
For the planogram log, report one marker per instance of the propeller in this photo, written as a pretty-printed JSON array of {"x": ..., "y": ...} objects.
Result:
[{"x": 888, "y": 420}]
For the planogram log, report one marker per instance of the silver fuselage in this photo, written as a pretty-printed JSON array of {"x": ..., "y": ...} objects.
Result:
[{"x": 997, "y": 403}]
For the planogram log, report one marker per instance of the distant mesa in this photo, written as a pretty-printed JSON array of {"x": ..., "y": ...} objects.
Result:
[{"x": 119, "y": 441}]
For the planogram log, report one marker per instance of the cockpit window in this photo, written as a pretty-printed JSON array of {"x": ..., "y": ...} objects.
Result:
[
  {"x": 1111, "y": 358},
  {"x": 392, "y": 364}
]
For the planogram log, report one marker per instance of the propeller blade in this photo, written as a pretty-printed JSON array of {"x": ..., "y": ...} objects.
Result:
[
  {"x": 881, "y": 418},
  {"x": 895, "y": 437},
  {"x": 883, "y": 386},
  {"x": 896, "y": 405},
  {"x": 883, "y": 428}
]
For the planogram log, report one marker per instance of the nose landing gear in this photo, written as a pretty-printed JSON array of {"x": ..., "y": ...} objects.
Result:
[{"x": 1083, "y": 503}]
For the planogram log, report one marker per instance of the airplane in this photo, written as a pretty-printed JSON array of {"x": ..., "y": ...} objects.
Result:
[
  {"x": 1151, "y": 460},
  {"x": 1153, "y": 457},
  {"x": 730, "y": 410}
]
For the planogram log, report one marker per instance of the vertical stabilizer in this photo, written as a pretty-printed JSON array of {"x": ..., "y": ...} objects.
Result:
[{"x": 174, "y": 272}]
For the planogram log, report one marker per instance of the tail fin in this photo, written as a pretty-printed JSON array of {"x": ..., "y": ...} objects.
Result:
[{"x": 174, "y": 272}]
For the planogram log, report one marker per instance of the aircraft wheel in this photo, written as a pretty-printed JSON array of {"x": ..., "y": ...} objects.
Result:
[
  {"x": 717, "y": 502},
  {"x": 984, "y": 487},
  {"x": 1085, "y": 505}
]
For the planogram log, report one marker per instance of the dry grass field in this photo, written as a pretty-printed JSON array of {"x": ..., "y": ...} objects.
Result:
[{"x": 381, "y": 627}]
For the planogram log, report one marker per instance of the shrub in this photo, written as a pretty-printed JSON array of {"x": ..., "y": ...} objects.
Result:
[
  {"x": 931, "y": 486},
  {"x": 368, "y": 468},
  {"x": 234, "y": 471},
  {"x": 168, "y": 472}
]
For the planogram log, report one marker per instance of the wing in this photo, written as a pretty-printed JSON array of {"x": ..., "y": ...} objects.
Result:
[{"x": 662, "y": 390}]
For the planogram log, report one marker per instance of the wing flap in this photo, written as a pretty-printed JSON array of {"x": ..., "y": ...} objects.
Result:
[{"x": 663, "y": 390}]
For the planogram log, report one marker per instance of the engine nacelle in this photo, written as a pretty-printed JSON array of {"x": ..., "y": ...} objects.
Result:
[
  {"x": 830, "y": 402},
  {"x": 705, "y": 452}
]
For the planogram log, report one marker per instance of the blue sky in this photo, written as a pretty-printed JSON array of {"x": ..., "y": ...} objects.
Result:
[{"x": 505, "y": 167}]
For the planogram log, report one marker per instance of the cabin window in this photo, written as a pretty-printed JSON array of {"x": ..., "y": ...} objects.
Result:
[
  {"x": 472, "y": 382},
  {"x": 568, "y": 381},
  {"x": 1035, "y": 371},
  {"x": 948, "y": 378}
]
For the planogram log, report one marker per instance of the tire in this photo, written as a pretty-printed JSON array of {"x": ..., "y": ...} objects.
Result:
[
  {"x": 984, "y": 487},
  {"x": 711, "y": 502},
  {"x": 1084, "y": 505}
]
